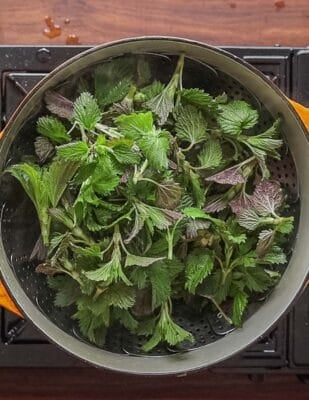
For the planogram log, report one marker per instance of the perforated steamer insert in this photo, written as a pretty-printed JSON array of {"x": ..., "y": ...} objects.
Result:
[{"x": 214, "y": 340}]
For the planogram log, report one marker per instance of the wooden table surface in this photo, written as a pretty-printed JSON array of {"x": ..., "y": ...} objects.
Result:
[
  {"x": 229, "y": 22},
  {"x": 237, "y": 22}
]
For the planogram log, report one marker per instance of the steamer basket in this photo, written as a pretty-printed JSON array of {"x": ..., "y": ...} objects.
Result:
[{"x": 216, "y": 71}]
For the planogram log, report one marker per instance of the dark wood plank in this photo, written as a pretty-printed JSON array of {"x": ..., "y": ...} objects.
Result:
[
  {"x": 237, "y": 22},
  {"x": 67, "y": 384}
]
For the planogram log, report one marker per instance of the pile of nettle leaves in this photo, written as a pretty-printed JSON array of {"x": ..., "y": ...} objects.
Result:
[{"x": 150, "y": 193}]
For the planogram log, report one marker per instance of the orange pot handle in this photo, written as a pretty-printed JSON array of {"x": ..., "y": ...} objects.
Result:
[
  {"x": 7, "y": 302},
  {"x": 302, "y": 111}
]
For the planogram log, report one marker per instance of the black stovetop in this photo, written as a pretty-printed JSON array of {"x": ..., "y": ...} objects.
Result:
[{"x": 285, "y": 348}]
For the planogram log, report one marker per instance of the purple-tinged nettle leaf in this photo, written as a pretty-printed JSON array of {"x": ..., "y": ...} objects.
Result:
[
  {"x": 215, "y": 204},
  {"x": 240, "y": 203},
  {"x": 194, "y": 226},
  {"x": 249, "y": 219},
  {"x": 229, "y": 176},
  {"x": 59, "y": 105},
  {"x": 267, "y": 197},
  {"x": 168, "y": 194},
  {"x": 266, "y": 239},
  {"x": 173, "y": 215}
]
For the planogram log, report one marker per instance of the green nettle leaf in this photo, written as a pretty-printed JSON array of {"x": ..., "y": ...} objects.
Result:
[
  {"x": 163, "y": 104},
  {"x": 92, "y": 224},
  {"x": 110, "y": 272},
  {"x": 161, "y": 283},
  {"x": 247, "y": 260},
  {"x": 152, "y": 90},
  {"x": 86, "y": 111},
  {"x": 211, "y": 155},
  {"x": 84, "y": 172},
  {"x": 256, "y": 279},
  {"x": 104, "y": 178},
  {"x": 237, "y": 116},
  {"x": 136, "y": 228},
  {"x": 194, "y": 212},
  {"x": 266, "y": 143},
  {"x": 98, "y": 307},
  {"x": 146, "y": 327},
  {"x": 89, "y": 251},
  {"x": 286, "y": 225},
  {"x": 198, "y": 266},
  {"x": 167, "y": 330},
  {"x": 31, "y": 178},
  {"x": 126, "y": 319},
  {"x": 74, "y": 151},
  {"x": 240, "y": 302},
  {"x": 197, "y": 213},
  {"x": 58, "y": 177},
  {"x": 140, "y": 261},
  {"x": 155, "y": 146},
  {"x": 53, "y": 129},
  {"x": 274, "y": 256},
  {"x": 197, "y": 97},
  {"x": 115, "y": 93},
  {"x": 196, "y": 188},
  {"x": 112, "y": 80},
  {"x": 56, "y": 240},
  {"x": 143, "y": 72},
  {"x": 68, "y": 290},
  {"x": 139, "y": 277},
  {"x": 190, "y": 125},
  {"x": 212, "y": 286},
  {"x": 120, "y": 295},
  {"x": 134, "y": 126},
  {"x": 158, "y": 217},
  {"x": 125, "y": 154},
  {"x": 91, "y": 326}
]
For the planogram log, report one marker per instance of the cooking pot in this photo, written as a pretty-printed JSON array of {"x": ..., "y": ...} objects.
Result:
[{"x": 18, "y": 221}]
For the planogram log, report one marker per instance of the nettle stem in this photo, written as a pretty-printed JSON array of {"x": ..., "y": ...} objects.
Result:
[
  {"x": 78, "y": 232},
  {"x": 138, "y": 175},
  {"x": 191, "y": 145},
  {"x": 235, "y": 147},
  {"x": 220, "y": 263},
  {"x": 275, "y": 220},
  {"x": 122, "y": 217},
  {"x": 151, "y": 181},
  {"x": 84, "y": 136},
  {"x": 219, "y": 308},
  {"x": 169, "y": 238}
]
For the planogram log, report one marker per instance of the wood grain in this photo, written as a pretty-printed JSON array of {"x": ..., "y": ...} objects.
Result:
[
  {"x": 90, "y": 384},
  {"x": 230, "y": 22}
]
